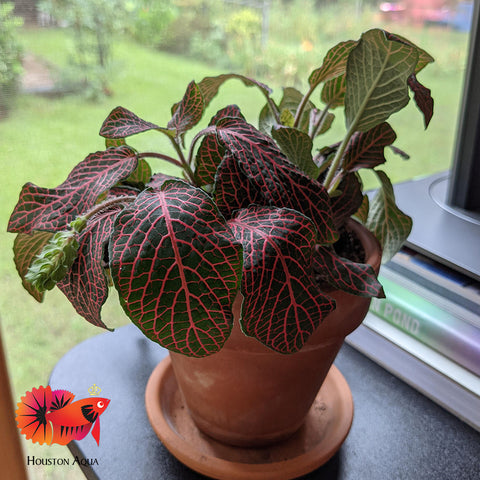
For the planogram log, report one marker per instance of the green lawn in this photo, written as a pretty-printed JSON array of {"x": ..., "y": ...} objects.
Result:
[
  {"x": 44, "y": 138},
  {"x": 40, "y": 142}
]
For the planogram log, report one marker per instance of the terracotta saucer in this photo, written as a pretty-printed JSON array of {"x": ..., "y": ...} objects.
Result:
[{"x": 324, "y": 431}]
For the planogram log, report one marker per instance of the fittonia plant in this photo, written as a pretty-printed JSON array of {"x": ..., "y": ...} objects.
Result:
[{"x": 259, "y": 211}]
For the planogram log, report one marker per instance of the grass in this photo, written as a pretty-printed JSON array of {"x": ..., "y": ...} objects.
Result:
[
  {"x": 44, "y": 138},
  {"x": 40, "y": 142}
]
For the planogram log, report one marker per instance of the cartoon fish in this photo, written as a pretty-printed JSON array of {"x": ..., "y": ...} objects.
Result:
[{"x": 47, "y": 416}]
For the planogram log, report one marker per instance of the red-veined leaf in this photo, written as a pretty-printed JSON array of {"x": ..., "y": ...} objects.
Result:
[
  {"x": 367, "y": 149},
  {"x": 188, "y": 112},
  {"x": 349, "y": 200},
  {"x": 277, "y": 180},
  {"x": 158, "y": 179},
  {"x": 209, "y": 86},
  {"x": 121, "y": 190},
  {"x": 208, "y": 158},
  {"x": 177, "y": 268},
  {"x": 53, "y": 209},
  {"x": 351, "y": 277},
  {"x": 210, "y": 152},
  {"x": 233, "y": 189},
  {"x": 86, "y": 283},
  {"x": 422, "y": 97},
  {"x": 122, "y": 123},
  {"x": 232, "y": 111},
  {"x": 25, "y": 248},
  {"x": 282, "y": 305}
]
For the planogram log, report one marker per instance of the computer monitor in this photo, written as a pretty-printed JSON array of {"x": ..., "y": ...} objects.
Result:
[
  {"x": 446, "y": 207},
  {"x": 464, "y": 190}
]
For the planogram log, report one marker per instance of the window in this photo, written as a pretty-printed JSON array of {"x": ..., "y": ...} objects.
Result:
[{"x": 159, "y": 48}]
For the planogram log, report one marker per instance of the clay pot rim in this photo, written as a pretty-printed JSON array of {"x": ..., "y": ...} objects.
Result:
[{"x": 373, "y": 250}]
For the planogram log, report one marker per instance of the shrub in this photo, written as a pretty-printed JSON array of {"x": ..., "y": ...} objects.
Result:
[
  {"x": 150, "y": 20},
  {"x": 94, "y": 24},
  {"x": 243, "y": 29},
  {"x": 10, "y": 57}
]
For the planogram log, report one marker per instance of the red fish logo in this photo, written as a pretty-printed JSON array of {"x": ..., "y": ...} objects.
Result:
[{"x": 47, "y": 416}]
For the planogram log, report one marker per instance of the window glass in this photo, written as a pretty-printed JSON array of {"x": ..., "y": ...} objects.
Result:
[{"x": 64, "y": 64}]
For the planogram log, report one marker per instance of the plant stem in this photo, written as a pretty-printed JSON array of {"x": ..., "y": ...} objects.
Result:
[
  {"x": 321, "y": 120},
  {"x": 337, "y": 159},
  {"x": 161, "y": 156},
  {"x": 351, "y": 130},
  {"x": 302, "y": 105},
  {"x": 206, "y": 131},
  {"x": 183, "y": 162},
  {"x": 107, "y": 204},
  {"x": 274, "y": 109}
]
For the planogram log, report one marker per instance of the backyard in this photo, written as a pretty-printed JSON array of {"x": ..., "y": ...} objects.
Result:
[{"x": 44, "y": 136}]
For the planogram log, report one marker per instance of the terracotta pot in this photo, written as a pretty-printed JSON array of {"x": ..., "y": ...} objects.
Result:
[{"x": 248, "y": 395}]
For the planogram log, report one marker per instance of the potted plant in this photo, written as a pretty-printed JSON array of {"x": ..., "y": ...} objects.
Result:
[{"x": 253, "y": 258}]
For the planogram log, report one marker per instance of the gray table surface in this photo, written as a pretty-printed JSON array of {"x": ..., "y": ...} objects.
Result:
[{"x": 397, "y": 433}]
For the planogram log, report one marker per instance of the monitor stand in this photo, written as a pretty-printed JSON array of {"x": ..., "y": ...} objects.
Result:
[{"x": 447, "y": 235}]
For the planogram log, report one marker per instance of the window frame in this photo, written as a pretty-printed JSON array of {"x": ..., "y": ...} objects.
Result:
[{"x": 464, "y": 190}]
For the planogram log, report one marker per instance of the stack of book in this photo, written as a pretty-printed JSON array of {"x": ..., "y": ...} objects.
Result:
[{"x": 427, "y": 331}]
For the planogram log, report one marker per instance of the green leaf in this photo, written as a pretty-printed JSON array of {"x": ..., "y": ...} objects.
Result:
[
  {"x": 320, "y": 122},
  {"x": 424, "y": 58},
  {"x": 387, "y": 222},
  {"x": 26, "y": 248},
  {"x": 362, "y": 213},
  {"x": 334, "y": 63},
  {"x": 114, "y": 142},
  {"x": 52, "y": 264},
  {"x": 290, "y": 101},
  {"x": 377, "y": 73},
  {"x": 286, "y": 118},
  {"x": 142, "y": 173},
  {"x": 177, "y": 268},
  {"x": 333, "y": 92},
  {"x": 297, "y": 146}
]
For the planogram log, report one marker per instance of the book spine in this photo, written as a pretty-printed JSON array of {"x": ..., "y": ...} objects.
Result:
[{"x": 426, "y": 322}]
